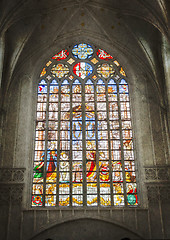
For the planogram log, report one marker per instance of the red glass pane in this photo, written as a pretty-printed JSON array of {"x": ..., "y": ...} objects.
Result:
[
  {"x": 103, "y": 55},
  {"x": 63, "y": 54}
]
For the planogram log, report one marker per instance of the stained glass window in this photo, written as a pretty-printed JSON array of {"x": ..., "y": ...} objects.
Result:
[{"x": 84, "y": 148}]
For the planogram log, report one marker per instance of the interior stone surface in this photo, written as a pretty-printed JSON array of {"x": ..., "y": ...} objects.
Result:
[{"x": 137, "y": 34}]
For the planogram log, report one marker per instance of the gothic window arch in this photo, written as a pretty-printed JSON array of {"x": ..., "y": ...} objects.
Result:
[{"x": 84, "y": 151}]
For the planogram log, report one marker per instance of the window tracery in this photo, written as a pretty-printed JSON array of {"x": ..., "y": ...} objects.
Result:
[{"x": 84, "y": 152}]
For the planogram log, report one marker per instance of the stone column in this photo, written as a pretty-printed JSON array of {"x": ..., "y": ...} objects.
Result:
[{"x": 166, "y": 62}]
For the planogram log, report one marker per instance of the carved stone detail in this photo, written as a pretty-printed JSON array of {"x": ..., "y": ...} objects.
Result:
[
  {"x": 153, "y": 194},
  {"x": 4, "y": 194},
  {"x": 11, "y": 185},
  {"x": 8, "y": 175},
  {"x": 165, "y": 194},
  {"x": 18, "y": 175},
  {"x": 150, "y": 173},
  {"x": 158, "y": 193},
  {"x": 157, "y": 173},
  {"x": 16, "y": 193},
  {"x": 11, "y": 193},
  {"x": 5, "y": 175},
  {"x": 163, "y": 173}
]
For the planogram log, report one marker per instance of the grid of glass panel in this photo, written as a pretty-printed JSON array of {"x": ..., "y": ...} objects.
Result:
[
  {"x": 84, "y": 151},
  {"x": 52, "y": 141},
  {"x": 77, "y": 162},
  {"x": 90, "y": 131}
]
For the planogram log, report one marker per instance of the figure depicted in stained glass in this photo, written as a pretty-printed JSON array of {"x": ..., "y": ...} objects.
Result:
[
  {"x": 64, "y": 168},
  {"x": 51, "y": 165},
  {"x": 77, "y": 174},
  {"x": 39, "y": 169},
  {"x": 103, "y": 168},
  {"x": 85, "y": 127},
  {"x": 132, "y": 196},
  {"x": 104, "y": 172},
  {"x": 91, "y": 163}
]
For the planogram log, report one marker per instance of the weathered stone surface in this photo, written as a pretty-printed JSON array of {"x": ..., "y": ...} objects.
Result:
[{"x": 137, "y": 34}]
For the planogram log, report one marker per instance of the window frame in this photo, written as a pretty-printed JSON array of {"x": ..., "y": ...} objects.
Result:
[{"x": 83, "y": 82}]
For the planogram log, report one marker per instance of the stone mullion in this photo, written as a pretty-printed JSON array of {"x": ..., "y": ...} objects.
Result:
[
  {"x": 121, "y": 142},
  {"x": 70, "y": 159},
  {"x": 58, "y": 145},
  {"x": 84, "y": 147},
  {"x": 46, "y": 143},
  {"x": 97, "y": 152},
  {"x": 109, "y": 144}
]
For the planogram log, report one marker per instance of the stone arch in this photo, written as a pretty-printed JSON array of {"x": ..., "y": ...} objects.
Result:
[
  {"x": 31, "y": 71},
  {"x": 86, "y": 228}
]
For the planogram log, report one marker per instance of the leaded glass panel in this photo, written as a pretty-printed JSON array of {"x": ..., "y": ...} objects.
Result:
[{"x": 84, "y": 148}]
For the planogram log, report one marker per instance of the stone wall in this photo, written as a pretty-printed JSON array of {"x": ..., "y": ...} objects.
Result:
[
  {"x": 136, "y": 223},
  {"x": 33, "y": 31}
]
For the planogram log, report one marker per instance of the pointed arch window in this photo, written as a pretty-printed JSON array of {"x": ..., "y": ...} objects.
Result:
[{"x": 84, "y": 151}]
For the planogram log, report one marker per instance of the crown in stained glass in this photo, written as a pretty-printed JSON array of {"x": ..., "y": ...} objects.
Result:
[
  {"x": 82, "y": 69},
  {"x": 82, "y": 51}
]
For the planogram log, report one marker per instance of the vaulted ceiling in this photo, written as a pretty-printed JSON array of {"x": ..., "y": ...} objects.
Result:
[{"x": 30, "y": 27}]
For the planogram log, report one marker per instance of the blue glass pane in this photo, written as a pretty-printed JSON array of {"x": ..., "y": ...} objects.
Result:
[
  {"x": 100, "y": 82},
  {"x": 76, "y": 82},
  {"x": 123, "y": 82},
  {"x": 111, "y": 82},
  {"x": 65, "y": 82},
  {"x": 77, "y": 125},
  {"x": 82, "y": 51},
  {"x": 54, "y": 89},
  {"x": 54, "y": 82},
  {"x": 89, "y": 82},
  {"x": 42, "y": 88},
  {"x": 43, "y": 82},
  {"x": 112, "y": 89},
  {"x": 123, "y": 88}
]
